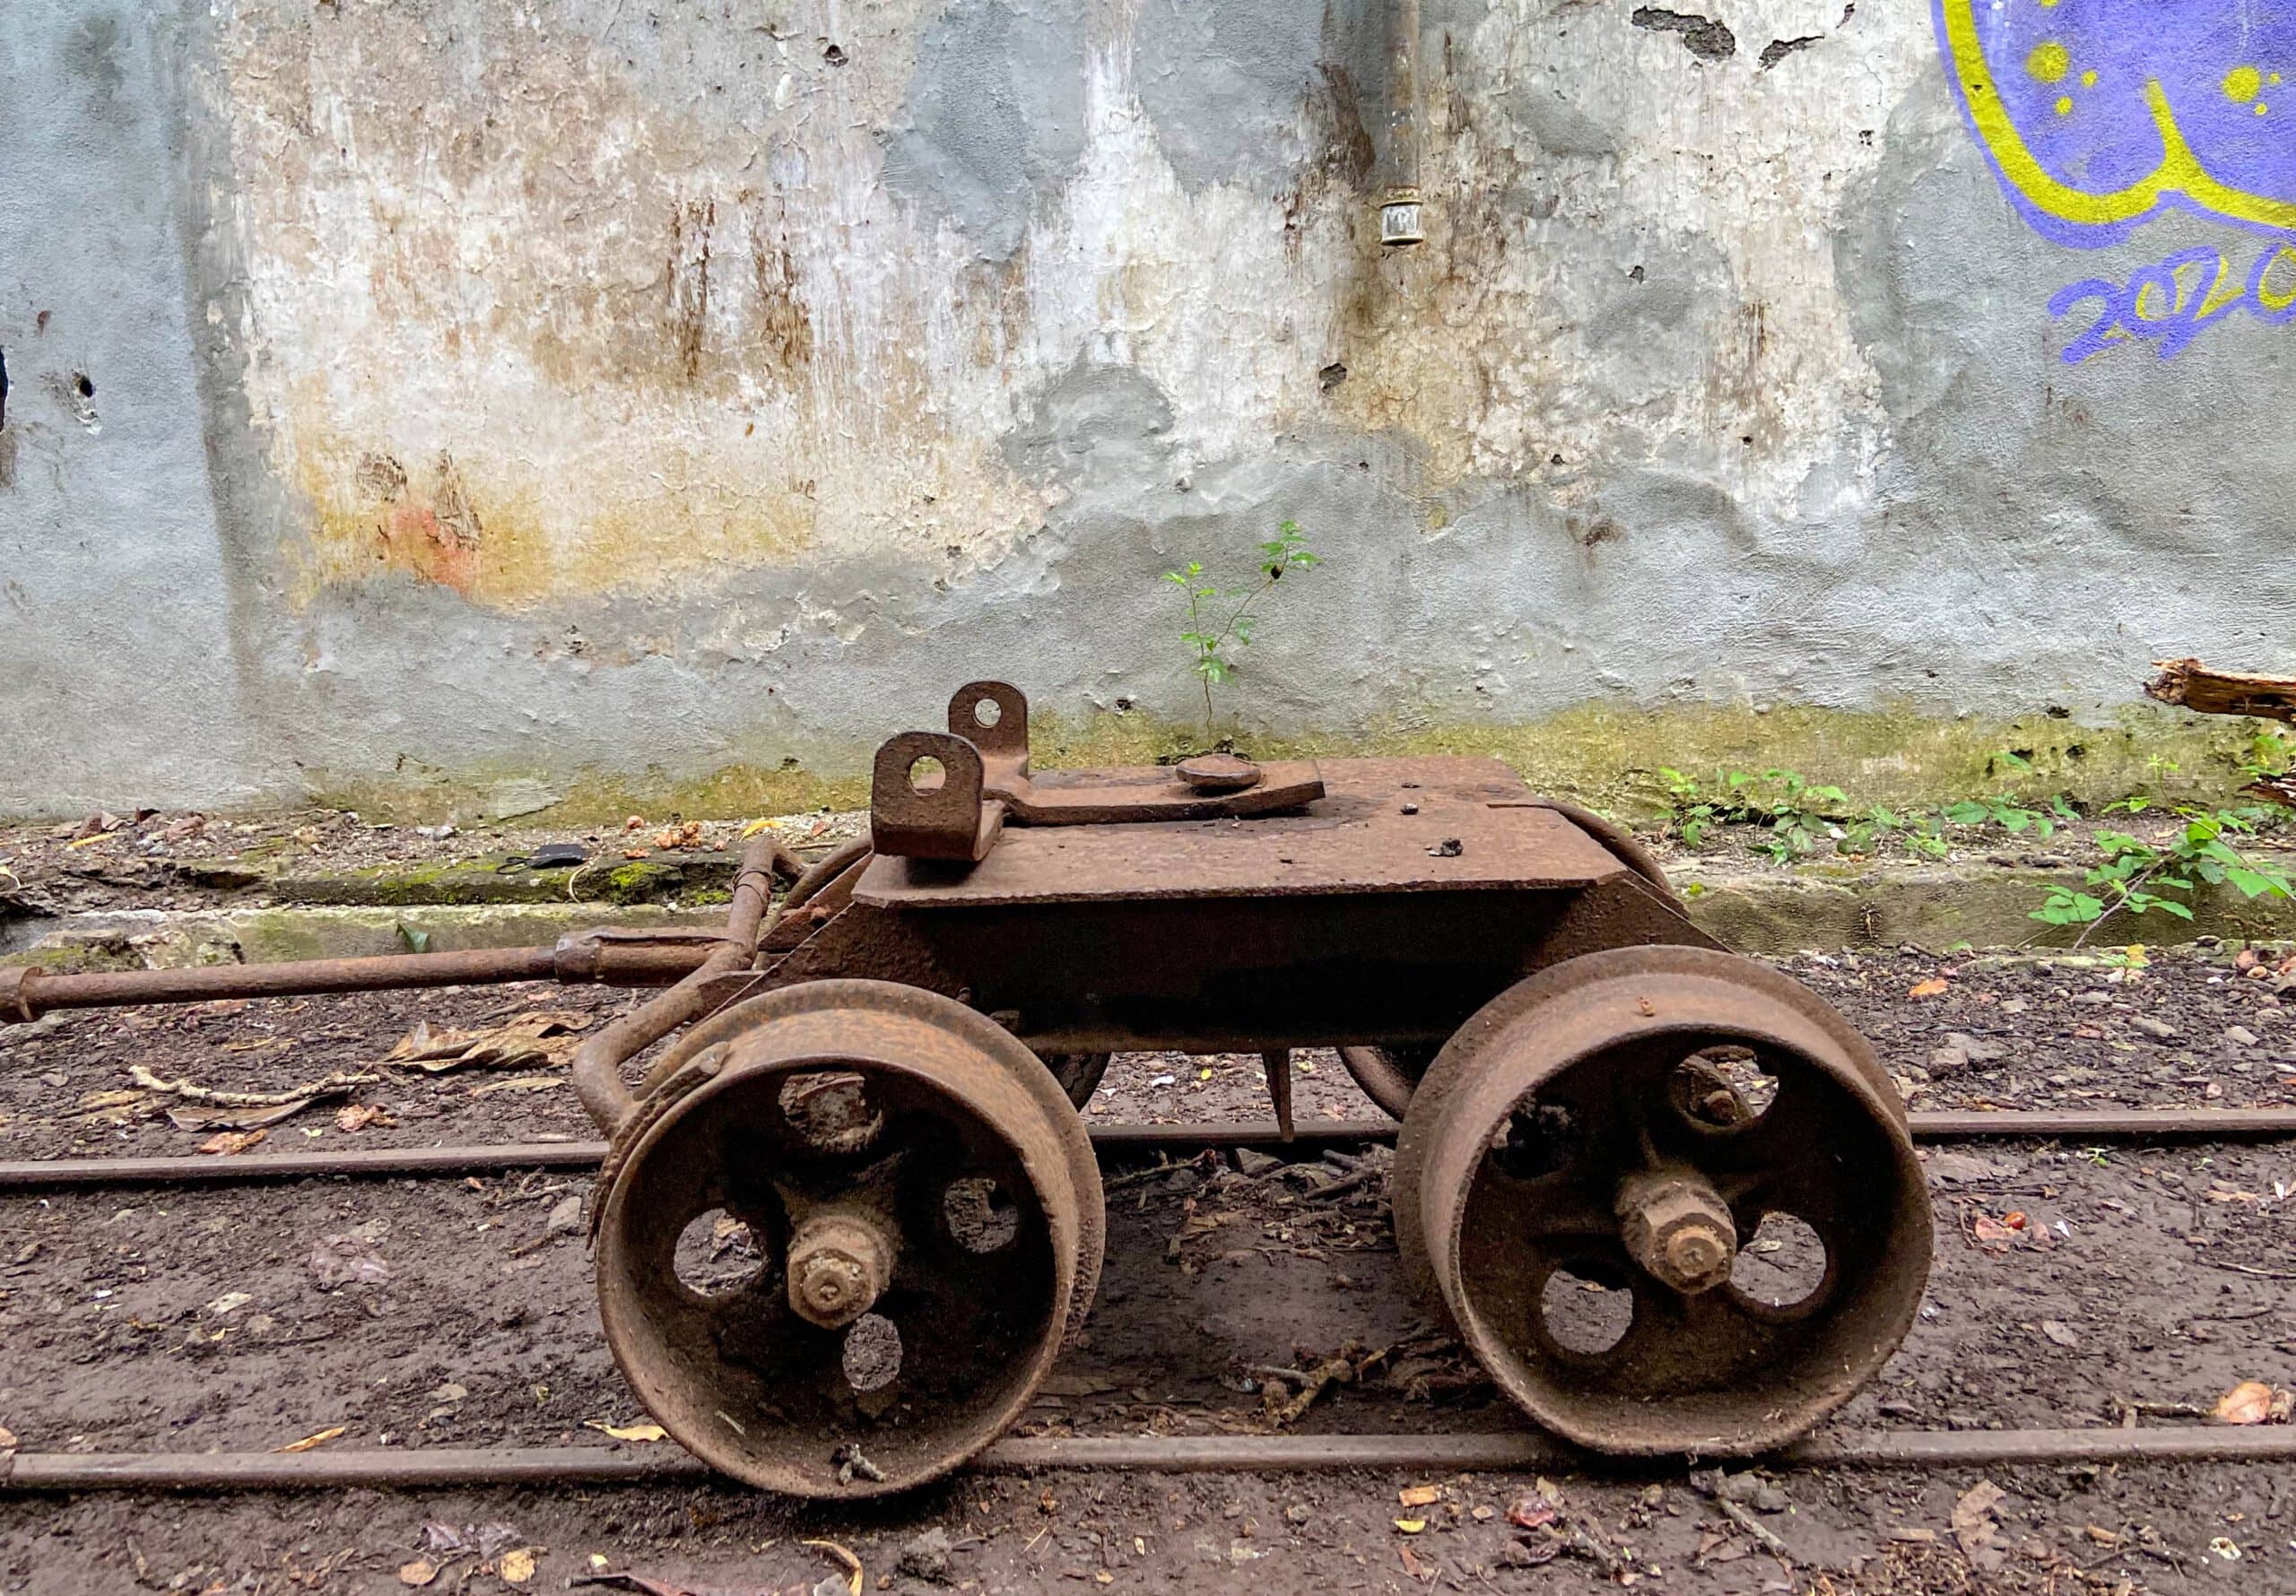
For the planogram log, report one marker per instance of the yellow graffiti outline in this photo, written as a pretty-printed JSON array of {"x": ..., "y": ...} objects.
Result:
[{"x": 2180, "y": 171}]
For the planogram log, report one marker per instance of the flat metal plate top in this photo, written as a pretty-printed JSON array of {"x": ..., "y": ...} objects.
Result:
[{"x": 1472, "y": 826}]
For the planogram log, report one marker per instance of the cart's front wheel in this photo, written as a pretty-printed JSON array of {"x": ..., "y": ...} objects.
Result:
[{"x": 841, "y": 1258}]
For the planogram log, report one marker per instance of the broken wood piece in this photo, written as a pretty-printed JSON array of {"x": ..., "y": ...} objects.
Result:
[{"x": 2197, "y": 687}]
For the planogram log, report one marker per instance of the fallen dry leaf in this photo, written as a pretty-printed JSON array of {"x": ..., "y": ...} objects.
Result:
[
  {"x": 2061, "y": 1334},
  {"x": 1411, "y": 1526},
  {"x": 627, "y": 1432},
  {"x": 321, "y": 1439},
  {"x": 517, "y": 1083},
  {"x": 755, "y": 826},
  {"x": 518, "y": 1564},
  {"x": 1992, "y": 1232},
  {"x": 1934, "y": 987},
  {"x": 7, "y": 1438},
  {"x": 2252, "y": 1401},
  {"x": 852, "y": 1565},
  {"x": 357, "y": 1117},
  {"x": 1530, "y": 1514},
  {"x": 1412, "y": 1566},
  {"x": 541, "y": 1037},
  {"x": 417, "y": 1574},
  {"x": 227, "y": 1142},
  {"x": 1419, "y": 1495}
]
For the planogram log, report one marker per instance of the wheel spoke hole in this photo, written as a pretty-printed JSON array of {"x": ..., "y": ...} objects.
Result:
[
  {"x": 717, "y": 1255},
  {"x": 1722, "y": 1087},
  {"x": 1538, "y": 1139},
  {"x": 831, "y": 1112},
  {"x": 981, "y": 1214},
  {"x": 1584, "y": 1316},
  {"x": 872, "y": 1360},
  {"x": 1782, "y": 1264}
]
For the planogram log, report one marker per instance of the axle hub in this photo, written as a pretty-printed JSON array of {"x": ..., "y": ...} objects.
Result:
[{"x": 1678, "y": 1229}]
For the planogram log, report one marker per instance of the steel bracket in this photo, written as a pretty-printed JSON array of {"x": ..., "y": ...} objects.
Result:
[{"x": 984, "y": 784}]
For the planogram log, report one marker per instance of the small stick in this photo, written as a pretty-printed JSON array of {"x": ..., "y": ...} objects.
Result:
[{"x": 1753, "y": 1526}]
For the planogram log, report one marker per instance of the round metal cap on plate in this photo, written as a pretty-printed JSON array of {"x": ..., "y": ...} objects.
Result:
[{"x": 1219, "y": 772}]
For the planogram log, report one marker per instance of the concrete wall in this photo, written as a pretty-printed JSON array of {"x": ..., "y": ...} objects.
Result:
[{"x": 494, "y": 397}]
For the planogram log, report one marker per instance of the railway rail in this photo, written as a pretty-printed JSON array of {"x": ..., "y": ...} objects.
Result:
[
  {"x": 441, "y": 1467},
  {"x": 1308, "y": 1138},
  {"x": 40, "y": 1472}
]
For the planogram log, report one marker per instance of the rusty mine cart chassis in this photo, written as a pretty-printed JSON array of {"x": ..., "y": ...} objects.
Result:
[{"x": 881, "y": 1077}]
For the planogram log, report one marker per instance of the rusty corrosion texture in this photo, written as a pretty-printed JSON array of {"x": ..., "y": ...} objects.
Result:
[{"x": 848, "y": 1215}]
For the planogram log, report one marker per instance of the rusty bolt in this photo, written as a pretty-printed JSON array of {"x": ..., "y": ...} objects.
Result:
[
  {"x": 1678, "y": 1229},
  {"x": 838, "y": 1265}
]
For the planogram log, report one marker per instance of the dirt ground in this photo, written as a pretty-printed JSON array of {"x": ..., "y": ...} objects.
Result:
[{"x": 2142, "y": 1283}]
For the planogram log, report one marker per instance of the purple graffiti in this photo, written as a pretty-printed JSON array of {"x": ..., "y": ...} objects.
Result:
[{"x": 2097, "y": 114}]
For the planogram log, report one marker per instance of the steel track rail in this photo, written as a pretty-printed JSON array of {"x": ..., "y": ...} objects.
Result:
[
  {"x": 435, "y": 1467},
  {"x": 1312, "y": 1137}
]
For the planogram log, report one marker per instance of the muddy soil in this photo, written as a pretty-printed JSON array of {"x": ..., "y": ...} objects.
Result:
[{"x": 2139, "y": 1284}]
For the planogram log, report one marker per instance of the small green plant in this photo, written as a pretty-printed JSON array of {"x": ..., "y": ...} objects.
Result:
[
  {"x": 1918, "y": 832},
  {"x": 2135, "y": 877},
  {"x": 2011, "y": 812},
  {"x": 1791, "y": 812},
  {"x": 1219, "y": 621}
]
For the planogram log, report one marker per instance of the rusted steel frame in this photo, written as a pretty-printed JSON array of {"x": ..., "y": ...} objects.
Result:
[
  {"x": 596, "y": 1067},
  {"x": 1310, "y": 1138},
  {"x": 442, "y": 1466}
]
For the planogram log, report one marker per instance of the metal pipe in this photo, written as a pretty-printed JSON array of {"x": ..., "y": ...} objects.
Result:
[
  {"x": 27, "y": 992},
  {"x": 596, "y": 1069},
  {"x": 1500, "y": 1452},
  {"x": 1400, "y": 216}
]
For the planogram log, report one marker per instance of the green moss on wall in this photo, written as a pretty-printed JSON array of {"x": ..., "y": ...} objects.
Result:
[{"x": 1603, "y": 755}]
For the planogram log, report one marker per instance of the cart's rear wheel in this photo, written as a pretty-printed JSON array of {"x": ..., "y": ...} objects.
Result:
[
  {"x": 843, "y": 1258},
  {"x": 1587, "y": 1157}
]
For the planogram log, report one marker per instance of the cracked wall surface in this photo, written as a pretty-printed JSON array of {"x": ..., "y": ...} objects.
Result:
[{"x": 476, "y": 392}]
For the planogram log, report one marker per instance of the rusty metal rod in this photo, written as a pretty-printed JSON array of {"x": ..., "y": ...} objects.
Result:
[
  {"x": 30, "y": 992},
  {"x": 609, "y": 957},
  {"x": 1309, "y": 1138},
  {"x": 1496, "y": 1453}
]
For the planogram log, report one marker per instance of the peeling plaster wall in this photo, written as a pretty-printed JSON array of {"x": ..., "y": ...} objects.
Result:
[{"x": 495, "y": 392}]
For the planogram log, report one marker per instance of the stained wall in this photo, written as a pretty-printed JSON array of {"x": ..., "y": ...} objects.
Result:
[{"x": 491, "y": 397}]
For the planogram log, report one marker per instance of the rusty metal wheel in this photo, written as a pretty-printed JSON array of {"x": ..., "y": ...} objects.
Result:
[
  {"x": 841, "y": 1260},
  {"x": 1666, "y": 1197}
]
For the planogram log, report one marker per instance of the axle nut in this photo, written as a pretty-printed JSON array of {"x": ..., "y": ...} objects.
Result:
[
  {"x": 837, "y": 1268},
  {"x": 1678, "y": 1229}
]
